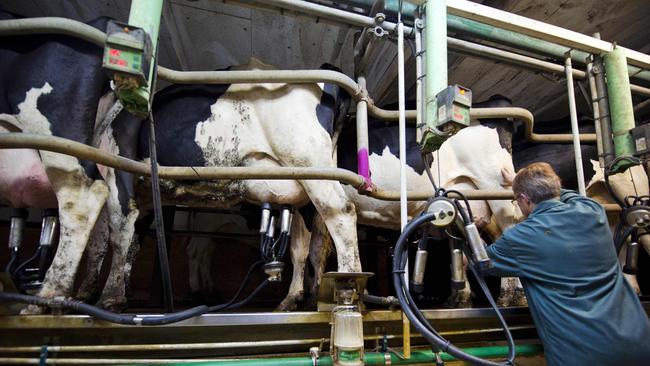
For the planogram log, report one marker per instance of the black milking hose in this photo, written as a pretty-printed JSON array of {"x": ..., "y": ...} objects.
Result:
[
  {"x": 130, "y": 319},
  {"x": 417, "y": 318},
  {"x": 104, "y": 314},
  {"x": 161, "y": 244}
]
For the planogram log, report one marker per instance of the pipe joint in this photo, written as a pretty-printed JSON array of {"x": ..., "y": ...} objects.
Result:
[
  {"x": 362, "y": 96},
  {"x": 379, "y": 18}
]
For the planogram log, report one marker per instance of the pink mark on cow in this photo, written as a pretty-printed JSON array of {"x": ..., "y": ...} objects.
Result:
[{"x": 363, "y": 168}]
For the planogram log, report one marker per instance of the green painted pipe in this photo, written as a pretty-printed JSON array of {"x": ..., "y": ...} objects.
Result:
[
  {"x": 379, "y": 359},
  {"x": 620, "y": 103},
  {"x": 499, "y": 35},
  {"x": 435, "y": 60},
  {"x": 146, "y": 15}
]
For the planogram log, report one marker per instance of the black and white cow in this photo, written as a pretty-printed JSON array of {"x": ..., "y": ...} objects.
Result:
[
  {"x": 52, "y": 85},
  {"x": 472, "y": 159},
  {"x": 252, "y": 125}
]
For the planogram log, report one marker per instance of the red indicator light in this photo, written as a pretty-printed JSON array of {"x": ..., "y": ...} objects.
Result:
[{"x": 114, "y": 52}]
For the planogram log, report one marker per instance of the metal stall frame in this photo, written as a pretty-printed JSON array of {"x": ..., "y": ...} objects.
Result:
[{"x": 64, "y": 26}]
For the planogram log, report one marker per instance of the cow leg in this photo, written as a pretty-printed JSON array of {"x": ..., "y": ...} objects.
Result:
[
  {"x": 340, "y": 218},
  {"x": 80, "y": 201},
  {"x": 512, "y": 293},
  {"x": 124, "y": 246},
  {"x": 299, "y": 247},
  {"x": 201, "y": 253},
  {"x": 320, "y": 248},
  {"x": 95, "y": 254},
  {"x": 122, "y": 214}
]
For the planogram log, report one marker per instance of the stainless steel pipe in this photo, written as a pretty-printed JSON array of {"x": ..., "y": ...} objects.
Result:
[
  {"x": 527, "y": 117},
  {"x": 82, "y": 151}
]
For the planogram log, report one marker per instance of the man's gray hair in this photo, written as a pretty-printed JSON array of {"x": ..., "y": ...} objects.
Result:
[{"x": 538, "y": 182}]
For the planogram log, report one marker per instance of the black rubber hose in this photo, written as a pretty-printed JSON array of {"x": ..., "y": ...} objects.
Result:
[
  {"x": 284, "y": 244},
  {"x": 380, "y": 300},
  {"x": 250, "y": 297},
  {"x": 161, "y": 243},
  {"x": 469, "y": 208},
  {"x": 263, "y": 245},
  {"x": 16, "y": 273},
  {"x": 416, "y": 317},
  {"x": 464, "y": 214},
  {"x": 12, "y": 262},
  {"x": 618, "y": 245},
  {"x": 104, "y": 314},
  {"x": 133, "y": 319},
  {"x": 427, "y": 158},
  {"x": 618, "y": 229},
  {"x": 239, "y": 291},
  {"x": 43, "y": 262}
]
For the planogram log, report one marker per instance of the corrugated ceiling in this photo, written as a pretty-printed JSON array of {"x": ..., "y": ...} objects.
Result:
[{"x": 210, "y": 34}]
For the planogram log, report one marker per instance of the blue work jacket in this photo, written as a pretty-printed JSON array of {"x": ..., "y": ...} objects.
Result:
[{"x": 584, "y": 310}]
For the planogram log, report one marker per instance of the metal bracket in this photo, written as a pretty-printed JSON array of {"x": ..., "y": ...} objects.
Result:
[{"x": 328, "y": 287}]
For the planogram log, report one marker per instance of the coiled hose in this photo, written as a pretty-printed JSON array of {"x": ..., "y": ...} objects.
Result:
[{"x": 417, "y": 318}]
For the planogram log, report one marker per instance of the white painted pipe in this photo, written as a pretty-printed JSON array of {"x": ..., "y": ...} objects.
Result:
[
  {"x": 363, "y": 159},
  {"x": 574, "y": 125}
]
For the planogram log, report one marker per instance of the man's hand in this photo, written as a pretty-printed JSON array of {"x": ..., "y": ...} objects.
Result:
[{"x": 508, "y": 177}]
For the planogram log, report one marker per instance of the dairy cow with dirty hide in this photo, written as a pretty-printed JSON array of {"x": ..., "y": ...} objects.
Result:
[
  {"x": 254, "y": 125},
  {"x": 472, "y": 159},
  {"x": 51, "y": 85}
]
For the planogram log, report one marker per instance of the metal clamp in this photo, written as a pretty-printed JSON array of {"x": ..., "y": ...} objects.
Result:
[
  {"x": 315, "y": 356},
  {"x": 379, "y": 18}
]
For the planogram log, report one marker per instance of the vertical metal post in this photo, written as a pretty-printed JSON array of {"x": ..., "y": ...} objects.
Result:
[
  {"x": 603, "y": 110},
  {"x": 620, "y": 101},
  {"x": 363, "y": 163},
  {"x": 593, "y": 92},
  {"x": 435, "y": 38},
  {"x": 419, "y": 82},
  {"x": 574, "y": 123},
  {"x": 406, "y": 329}
]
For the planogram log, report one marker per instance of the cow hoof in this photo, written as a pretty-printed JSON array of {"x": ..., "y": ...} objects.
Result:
[
  {"x": 287, "y": 305},
  {"x": 114, "y": 305},
  {"x": 460, "y": 300},
  {"x": 504, "y": 299},
  {"x": 84, "y": 296},
  {"x": 311, "y": 303},
  {"x": 519, "y": 298},
  {"x": 32, "y": 310}
]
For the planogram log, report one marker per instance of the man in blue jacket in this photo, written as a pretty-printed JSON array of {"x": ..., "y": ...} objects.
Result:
[{"x": 584, "y": 310}]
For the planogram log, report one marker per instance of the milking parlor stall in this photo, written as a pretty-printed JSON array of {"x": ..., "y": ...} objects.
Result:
[{"x": 289, "y": 182}]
